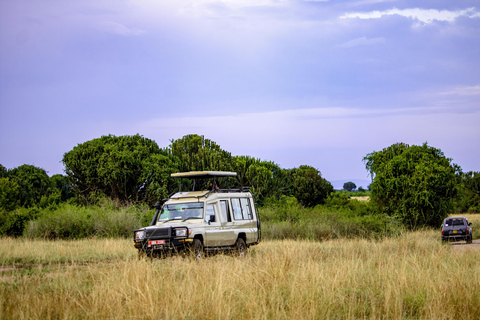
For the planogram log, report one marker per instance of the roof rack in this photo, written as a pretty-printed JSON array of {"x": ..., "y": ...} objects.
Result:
[{"x": 203, "y": 174}]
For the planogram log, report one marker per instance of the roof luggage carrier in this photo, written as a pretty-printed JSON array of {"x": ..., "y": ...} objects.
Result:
[{"x": 208, "y": 175}]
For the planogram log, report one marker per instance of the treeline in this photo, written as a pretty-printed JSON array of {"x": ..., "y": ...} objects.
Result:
[{"x": 413, "y": 186}]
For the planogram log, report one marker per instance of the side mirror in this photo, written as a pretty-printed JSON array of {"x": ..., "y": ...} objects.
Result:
[
  {"x": 212, "y": 218},
  {"x": 158, "y": 205},
  {"x": 469, "y": 223}
]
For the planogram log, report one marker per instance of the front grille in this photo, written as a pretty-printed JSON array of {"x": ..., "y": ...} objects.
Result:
[{"x": 158, "y": 233}]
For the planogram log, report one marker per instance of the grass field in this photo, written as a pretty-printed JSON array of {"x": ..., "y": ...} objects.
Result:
[{"x": 409, "y": 276}]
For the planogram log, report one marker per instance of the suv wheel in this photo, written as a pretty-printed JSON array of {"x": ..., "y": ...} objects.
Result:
[
  {"x": 198, "y": 249},
  {"x": 241, "y": 248}
]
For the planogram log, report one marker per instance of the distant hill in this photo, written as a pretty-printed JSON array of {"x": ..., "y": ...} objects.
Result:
[{"x": 338, "y": 184}]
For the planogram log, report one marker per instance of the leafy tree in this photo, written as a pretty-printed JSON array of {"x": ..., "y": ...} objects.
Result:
[
  {"x": 9, "y": 194},
  {"x": 3, "y": 172},
  {"x": 415, "y": 184},
  {"x": 309, "y": 187},
  {"x": 349, "y": 186},
  {"x": 123, "y": 168},
  {"x": 469, "y": 195},
  {"x": 198, "y": 154},
  {"x": 241, "y": 164},
  {"x": 361, "y": 189},
  {"x": 265, "y": 178},
  {"x": 33, "y": 184},
  {"x": 61, "y": 185}
]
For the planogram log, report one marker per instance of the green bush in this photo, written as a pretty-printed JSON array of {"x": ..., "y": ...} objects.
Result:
[
  {"x": 69, "y": 221},
  {"x": 340, "y": 217},
  {"x": 13, "y": 223}
]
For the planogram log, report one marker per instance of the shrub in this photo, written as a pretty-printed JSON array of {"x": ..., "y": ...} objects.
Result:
[
  {"x": 68, "y": 221},
  {"x": 13, "y": 223}
]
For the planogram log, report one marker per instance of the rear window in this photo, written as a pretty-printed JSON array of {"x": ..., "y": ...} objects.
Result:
[
  {"x": 242, "y": 209},
  {"x": 454, "y": 222}
]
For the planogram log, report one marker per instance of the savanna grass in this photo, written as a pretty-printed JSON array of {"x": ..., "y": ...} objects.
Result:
[{"x": 409, "y": 276}]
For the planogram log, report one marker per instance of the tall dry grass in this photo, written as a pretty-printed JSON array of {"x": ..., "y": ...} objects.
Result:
[{"x": 410, "y": 276}]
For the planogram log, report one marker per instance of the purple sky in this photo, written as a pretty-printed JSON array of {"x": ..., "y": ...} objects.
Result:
[{"x": 320, "y": 83}]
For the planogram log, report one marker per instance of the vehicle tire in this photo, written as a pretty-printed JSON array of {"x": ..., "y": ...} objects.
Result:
[
  {"x": 241, "y": 248},
  {"x": 198, "y": 249},
  {"x": 469, "y": 240}
]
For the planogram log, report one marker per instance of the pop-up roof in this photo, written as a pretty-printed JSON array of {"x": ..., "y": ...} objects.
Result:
[{"x": 203, "y": 174}]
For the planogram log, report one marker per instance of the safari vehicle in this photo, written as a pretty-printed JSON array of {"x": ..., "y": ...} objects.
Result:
[
  {"x": 456, "y": 229},
  {"x": 202, "y": 221}
]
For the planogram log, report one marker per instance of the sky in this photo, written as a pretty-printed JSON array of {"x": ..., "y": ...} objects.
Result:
[{"x": 296, "y": 82}]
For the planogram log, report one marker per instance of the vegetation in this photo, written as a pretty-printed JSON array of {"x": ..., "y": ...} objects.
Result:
[
  {"x": 412, "y": 276},
  {"x": 416, "y": 184},
  {"x": 309, "y": 188},
  {"x": 349, "y": 186},
  {"x": 469, "y": 196},
  {"x": 125, "y": 169},
  {"x": 116, "y": 180}
]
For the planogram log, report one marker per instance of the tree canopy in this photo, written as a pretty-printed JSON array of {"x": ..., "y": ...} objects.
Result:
[
  {"x": 416, "y": 184},
  {"x": 309, "y": 187},
  {"x": 469, "y": 197},
  {"x": 124, "y": 168},
  {"x": 33, "y": 184},
  {"x": 349, "y": 186},
  {"x": 198, "y": 154}
]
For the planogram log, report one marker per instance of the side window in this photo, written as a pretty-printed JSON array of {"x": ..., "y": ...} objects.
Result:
[
  {"x": 246, "y": 208},
  {"x": 237, "y": 210},
  {"x": 225, "y": 211},
  {"x": 209, "y": 210}
]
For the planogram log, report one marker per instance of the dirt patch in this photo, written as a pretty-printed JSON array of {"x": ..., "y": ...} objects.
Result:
[
  {"x": 475, "y": 245},
  {"x": 366, "y": 198}
]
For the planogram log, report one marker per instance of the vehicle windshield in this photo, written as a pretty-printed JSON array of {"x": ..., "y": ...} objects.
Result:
[
  {"x": 181, "y": 211},
  {"x": 454, "y": 222}
]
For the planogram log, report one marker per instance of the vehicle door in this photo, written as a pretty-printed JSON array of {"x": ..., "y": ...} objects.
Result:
[{"x": 213, "y": 227}]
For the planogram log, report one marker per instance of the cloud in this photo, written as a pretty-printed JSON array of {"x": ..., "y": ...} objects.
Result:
[
  {"x": 423, "y": 15},
  {"x": 310, "y": 127},
  {"x": 120, "y": 29},
  {"x": 361, "y": 42},
  {"x": 464, "y": 91}
]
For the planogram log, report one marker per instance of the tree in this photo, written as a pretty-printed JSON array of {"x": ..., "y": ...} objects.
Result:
[
  {"x": 416, "y": 184},
  {"x": 309, "y": 187},
  {"x": 9, "y": 194},
  {"x": 122, "y": 168},
  {"x": 198, "y": 154},
  {"x": 61, "y": 185},
  {"x": 33, "y": 183},
  {"x": 349, "y": 186},
  {"x": 3, "y": 172},
  {"x": 469, "y": 195}
]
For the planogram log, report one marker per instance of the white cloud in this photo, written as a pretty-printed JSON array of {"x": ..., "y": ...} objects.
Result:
[
  {"x": 463, "y": 91},
  {"x": 423, "y": 15},
  {"x": 361, "y": 42},
  {"x": 120, "y": 29}
]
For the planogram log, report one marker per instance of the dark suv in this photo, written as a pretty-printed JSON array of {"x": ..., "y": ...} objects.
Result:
[{"x": 456, "y": 229}]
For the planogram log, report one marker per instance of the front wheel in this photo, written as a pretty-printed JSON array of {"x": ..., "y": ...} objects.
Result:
[
  {"x": 198, "y": 249},
  {"x": 241, "y": 248}
]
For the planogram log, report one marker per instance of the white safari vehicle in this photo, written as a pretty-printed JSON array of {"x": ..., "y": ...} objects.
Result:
[{"x": 201, "y": 221}]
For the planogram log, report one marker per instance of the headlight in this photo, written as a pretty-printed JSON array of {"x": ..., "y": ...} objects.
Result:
[
  {"x": 180, "y": 232},
  {"x": 139, "y": 235}
]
